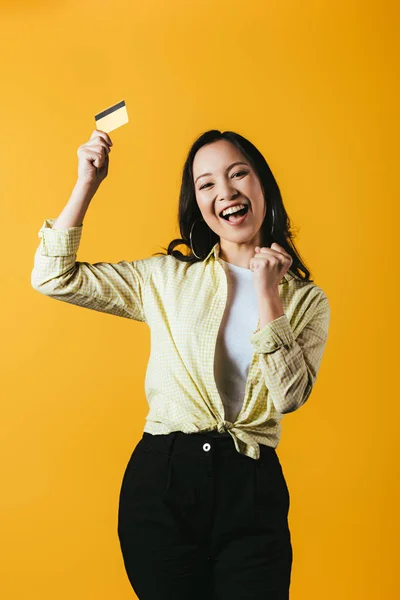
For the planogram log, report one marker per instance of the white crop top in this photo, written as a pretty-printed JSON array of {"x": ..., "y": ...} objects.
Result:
[{"x": 234, "y": 351}]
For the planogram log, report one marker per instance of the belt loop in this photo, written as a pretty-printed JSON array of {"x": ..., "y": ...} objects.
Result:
[{"x": 171, "y": 442}]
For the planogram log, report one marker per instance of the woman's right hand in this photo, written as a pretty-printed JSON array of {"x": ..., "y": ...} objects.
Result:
[{"x": 93, "y": 158}]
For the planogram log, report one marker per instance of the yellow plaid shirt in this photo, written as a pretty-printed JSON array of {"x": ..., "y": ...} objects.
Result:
[{"x": 183, "y": 306}]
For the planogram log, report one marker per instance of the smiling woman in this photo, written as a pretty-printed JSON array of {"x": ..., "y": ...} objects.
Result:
[
  {"x": 223, "y": 170},
  {"x": 203, "y": 507}
]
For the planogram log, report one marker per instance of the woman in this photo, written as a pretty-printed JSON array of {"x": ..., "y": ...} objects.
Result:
[{"x": 237, "y": 338}]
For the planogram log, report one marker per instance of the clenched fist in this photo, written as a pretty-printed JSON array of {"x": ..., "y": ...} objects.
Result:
[{"x": 269, "y": 266}]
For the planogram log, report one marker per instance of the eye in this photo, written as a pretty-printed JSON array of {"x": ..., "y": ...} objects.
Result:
[{"x": 237, "y": 173}]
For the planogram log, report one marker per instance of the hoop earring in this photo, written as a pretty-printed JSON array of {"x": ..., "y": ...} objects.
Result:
[
  {"x": 191, "y": 244},
  {"x": 273, "y": 219}
]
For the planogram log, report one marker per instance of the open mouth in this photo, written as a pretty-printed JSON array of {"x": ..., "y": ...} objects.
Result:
[{"x": 236, "y": 217}]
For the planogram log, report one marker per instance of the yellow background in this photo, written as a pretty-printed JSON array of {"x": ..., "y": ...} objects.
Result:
[{"x": 315, "y": 86}]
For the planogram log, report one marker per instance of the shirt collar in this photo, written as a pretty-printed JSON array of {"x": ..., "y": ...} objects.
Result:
[{"x": 214, "y": 253}]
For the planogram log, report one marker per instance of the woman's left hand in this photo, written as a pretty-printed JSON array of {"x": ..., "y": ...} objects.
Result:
[{"x": 269, "y": 266}]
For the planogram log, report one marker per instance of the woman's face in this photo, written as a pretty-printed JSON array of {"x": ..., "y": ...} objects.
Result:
[{"x": 226, "y": 185}]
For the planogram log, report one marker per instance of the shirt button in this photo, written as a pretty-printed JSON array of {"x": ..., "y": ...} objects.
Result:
[
  {"x": 255, "y": 380},
  {"x": 206, "y": 447}
]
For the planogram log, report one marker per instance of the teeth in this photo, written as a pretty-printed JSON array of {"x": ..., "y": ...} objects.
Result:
[{"x": 233, "y": 209}]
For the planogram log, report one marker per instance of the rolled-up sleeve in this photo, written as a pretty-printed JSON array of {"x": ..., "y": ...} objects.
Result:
[
  {"x": 289, "y": 361},
  {"x": 115, "y": 288}
]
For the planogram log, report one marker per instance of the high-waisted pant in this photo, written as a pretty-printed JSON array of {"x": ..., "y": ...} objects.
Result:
[{"x": 199, "y": 520}]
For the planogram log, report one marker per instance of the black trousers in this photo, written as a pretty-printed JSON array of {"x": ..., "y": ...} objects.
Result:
[{"x": 198, "y": 520}]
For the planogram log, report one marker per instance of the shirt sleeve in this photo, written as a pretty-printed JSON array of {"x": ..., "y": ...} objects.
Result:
[
  {"x": 290, "y": 361},
  {"x": 114, "y": 288}
]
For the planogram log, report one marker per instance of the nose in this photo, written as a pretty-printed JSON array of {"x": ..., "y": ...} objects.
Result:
[{"x": 227, "y": 191}]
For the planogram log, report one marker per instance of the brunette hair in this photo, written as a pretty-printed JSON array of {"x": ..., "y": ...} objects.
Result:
[{"x": 276, "y": 226}]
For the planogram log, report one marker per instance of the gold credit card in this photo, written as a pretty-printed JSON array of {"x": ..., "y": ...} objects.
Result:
[{"x": 112, "y": 117}]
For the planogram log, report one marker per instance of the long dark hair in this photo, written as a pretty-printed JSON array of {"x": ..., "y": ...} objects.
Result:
[{"x": 276, "y": 226}]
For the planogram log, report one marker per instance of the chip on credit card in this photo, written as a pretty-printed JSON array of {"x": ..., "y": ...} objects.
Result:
[{"x": 112, "y": 117}]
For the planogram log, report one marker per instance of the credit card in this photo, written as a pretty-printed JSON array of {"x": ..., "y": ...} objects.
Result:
[{"x": 112, "y": 117}]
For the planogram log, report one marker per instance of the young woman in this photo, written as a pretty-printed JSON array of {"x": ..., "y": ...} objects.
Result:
[{"x": 237, "y": 338}]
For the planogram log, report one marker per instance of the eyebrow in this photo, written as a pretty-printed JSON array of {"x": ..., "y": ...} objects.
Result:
[{"x": 239, "y": 162}]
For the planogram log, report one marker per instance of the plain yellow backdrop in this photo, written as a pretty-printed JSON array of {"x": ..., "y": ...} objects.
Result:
[{"x": 314, "y": 85}]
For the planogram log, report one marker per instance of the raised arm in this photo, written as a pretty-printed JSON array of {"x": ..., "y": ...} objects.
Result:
[
  {"x": 115, "y": 288},
  {"x": 93, "y": 161}
]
